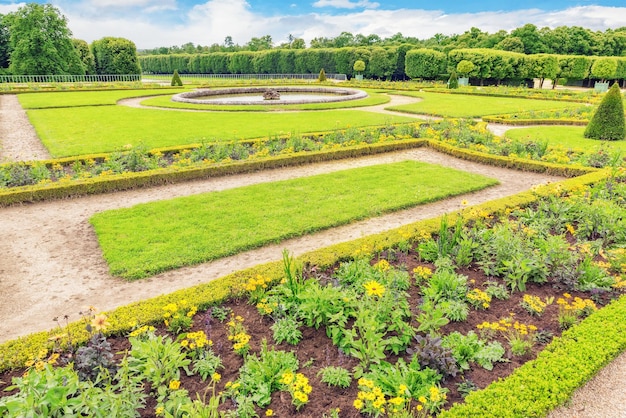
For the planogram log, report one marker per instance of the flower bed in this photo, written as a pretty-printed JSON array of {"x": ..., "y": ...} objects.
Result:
[{"x": 384, "y": 309}]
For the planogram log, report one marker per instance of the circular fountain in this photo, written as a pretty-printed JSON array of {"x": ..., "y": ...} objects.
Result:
[{"x": 269, "y": 95}]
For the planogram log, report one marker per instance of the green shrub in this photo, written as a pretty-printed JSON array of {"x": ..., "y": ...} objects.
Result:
[
  {"x": 607, "y": 122},
  {"x": 453, "y": 82},
  {"x": 176, "y": 81},
  {"x": 322, "y": 77}
]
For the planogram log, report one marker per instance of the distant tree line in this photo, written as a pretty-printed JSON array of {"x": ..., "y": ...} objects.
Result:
[
  {"x": 528, "y": 39},
  {"x": 35, "y": 40}
]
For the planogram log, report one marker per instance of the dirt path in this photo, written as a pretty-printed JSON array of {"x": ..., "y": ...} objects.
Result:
[
  {"x": 50, "y": 262},
  {"x": 18, "y": 139}
]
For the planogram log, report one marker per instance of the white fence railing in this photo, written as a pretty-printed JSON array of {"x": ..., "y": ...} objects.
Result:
[
  {"x": 340, "y": 77},
  {"x": 100, "y": 78}
]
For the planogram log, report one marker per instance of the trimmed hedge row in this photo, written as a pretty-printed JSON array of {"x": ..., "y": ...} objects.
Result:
[
  {"x": 168, "y": 175},
  {"x": 526, "y": 122},
  {"x": 126, "y": 181}
]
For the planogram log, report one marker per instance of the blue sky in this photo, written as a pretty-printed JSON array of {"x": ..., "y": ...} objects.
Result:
[{"x": 152, "y": 23}]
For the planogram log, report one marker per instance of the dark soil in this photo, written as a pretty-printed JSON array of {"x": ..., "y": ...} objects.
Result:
[{"x": 316, "y": 350}]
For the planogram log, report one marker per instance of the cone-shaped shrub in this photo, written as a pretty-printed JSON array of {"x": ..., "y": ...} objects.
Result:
[
  {"x": 322, "y": 77},
  {"x": 608, "y": 121},
  {"x": 453, "y": 82},
  {"x": 176, "y": 81}
]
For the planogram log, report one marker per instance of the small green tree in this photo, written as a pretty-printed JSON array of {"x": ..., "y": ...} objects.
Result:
[
  {"x": 464, "y": 67},
  {"x": 604, "y": 69},
  {"x": 322, "y": 77},
  {"x": 453, "y": 82},
  {"x": 607, "y": 122},
  {"x": 359, "y": 66},
  {"x": 176, "y": 81}
]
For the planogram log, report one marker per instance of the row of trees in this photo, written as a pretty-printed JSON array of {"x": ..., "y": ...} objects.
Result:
[
  {"x": 36, "y": 40},
  {"x": 528, "y": 39},
  {"x": 386, "y": 63},
  {"x": 497, "y": 65},
  {"x": 393, "y": 63}
]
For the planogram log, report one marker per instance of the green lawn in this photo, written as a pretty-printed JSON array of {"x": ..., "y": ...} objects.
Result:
[
  {"x": 568, "y": 136},
  {"x": 473, "y": 106},
  {"x": 150, "y": 238},
  {"x": 86, "y": 130},
  {"x": 85, "y": 98}
]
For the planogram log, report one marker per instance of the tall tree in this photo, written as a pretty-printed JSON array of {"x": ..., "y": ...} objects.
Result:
[
  {"x": 115, "y": 56},
  {"x": 41, "y": 42},
  {"x": 85, "y": 55},
  {"x": 5, "y": 49}
]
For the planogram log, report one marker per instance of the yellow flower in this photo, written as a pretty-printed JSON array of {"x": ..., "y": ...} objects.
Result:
[
  {"x": 358, "y": 404},
  {"x": 216, "y": 377},
  {"x": 159, "y": 410},
  {"x": 100, "y": 322},
  {"x": 269, "y": 413},
  {"x": 373, "y": 288},
  {"x": 174, "y": 384}
]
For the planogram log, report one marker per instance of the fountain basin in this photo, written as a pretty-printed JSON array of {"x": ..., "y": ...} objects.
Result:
[{"x": 254, "y": 95}]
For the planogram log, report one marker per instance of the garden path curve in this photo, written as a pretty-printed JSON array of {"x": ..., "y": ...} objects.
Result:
[{"x": 51, "y": 265}]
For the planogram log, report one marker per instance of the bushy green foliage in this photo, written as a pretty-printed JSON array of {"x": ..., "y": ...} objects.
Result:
[
  {"x": 453, "y": 81},
  {"x": 115, "y": 56},
  {"x": 608, "y": 122},
  {"x": 176, "y": 81},
  {"x": 41, "y": 42}
]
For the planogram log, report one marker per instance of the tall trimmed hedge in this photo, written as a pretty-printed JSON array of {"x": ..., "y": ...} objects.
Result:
[
  {"x": 116, "y": 56},
  {"x": 607, "y": 122},
  {"x": 425, "y": 63}
]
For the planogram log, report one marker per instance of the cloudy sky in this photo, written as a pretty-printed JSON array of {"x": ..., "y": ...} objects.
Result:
[{"x": 153, "y": 23}]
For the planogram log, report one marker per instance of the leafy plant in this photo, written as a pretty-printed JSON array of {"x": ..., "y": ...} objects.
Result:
[
  {"x": 287, "y": 329},
  {"x": 261, "y": 375},
  {"x": 90, "y": 361},
  {"x": 431, "y": 318},
  {"x": 207, "y": 364},
  {"x": 430, "y": 353},
  {"x": 335, "y": 376},
  {"x": 158, "y": 359}
]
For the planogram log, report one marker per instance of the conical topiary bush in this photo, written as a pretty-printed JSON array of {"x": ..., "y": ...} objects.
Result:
[
  {"x": 176, "y": 81},
  {"x": 607, "y": 122},
  {"x": 453, "y": 82}
]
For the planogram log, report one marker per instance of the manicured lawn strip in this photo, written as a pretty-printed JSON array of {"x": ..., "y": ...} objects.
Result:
[
  {"x": 85, "y": 98},
  {"x": 468, "y": 106},
  {"x": 150, "y": 238},
  {"x": 372, "y": 100},
  {"x": 90, "y": 130},
  {"x": 567, "y": 136}
]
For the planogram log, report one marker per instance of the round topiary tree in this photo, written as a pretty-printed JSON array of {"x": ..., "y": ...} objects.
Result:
[
  {"x": 607, "y": 122},
  {"x": 453, "y": 82},
  {"x": 322, "y": 77},
  {"x": 464, "y": 67},
  {"x": 176, "y": 81},
  {"x": 359, "y": 67}
]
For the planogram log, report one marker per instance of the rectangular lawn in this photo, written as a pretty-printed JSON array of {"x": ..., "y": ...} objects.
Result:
[
  {"x": 95, "y": 129},
  {"x": 85, "y": 98},
  {"x": 150, "y": 238},
  {"x": 473, "y": 106}
]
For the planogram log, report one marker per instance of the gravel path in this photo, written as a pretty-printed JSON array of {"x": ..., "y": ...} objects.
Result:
[{"x": 51, "y": 265}]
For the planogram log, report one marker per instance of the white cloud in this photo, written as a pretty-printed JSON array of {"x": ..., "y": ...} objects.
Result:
[
  {"x": 146, "y": 5},
  {"x": 9, "y": 8},
  {"x": 346, "y": 4},
  {"x": 212, "y": 21}
]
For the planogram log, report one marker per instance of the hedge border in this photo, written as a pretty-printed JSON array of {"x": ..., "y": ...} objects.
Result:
[{"x": 169, "y": 175}]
